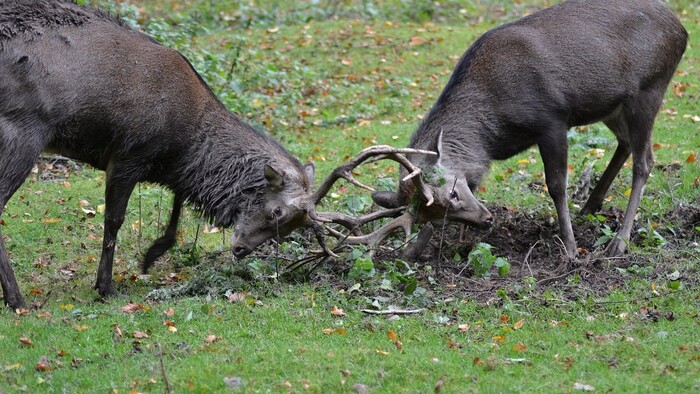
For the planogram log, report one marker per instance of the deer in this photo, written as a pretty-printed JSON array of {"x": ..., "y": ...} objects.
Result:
[
  {"x": 81, "y": 83},
  {"x": 525, "y": 84}
]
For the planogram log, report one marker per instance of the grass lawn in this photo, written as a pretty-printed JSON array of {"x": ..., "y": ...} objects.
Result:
[{"x": 328, "y": 78}]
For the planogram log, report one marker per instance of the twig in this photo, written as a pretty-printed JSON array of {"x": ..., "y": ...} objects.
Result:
[
  {"x": 527, "y": 257},
  {"x": 552, "y": 278},
  {"x": 392, "y": 311},
  {"x": 159, "y": 353}
]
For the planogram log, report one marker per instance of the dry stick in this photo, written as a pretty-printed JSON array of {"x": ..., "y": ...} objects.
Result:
[
  {"x": 392, "y": 311},
  {"x": 527, "y": 257},
  {"x": 159, "y": 353},
  {"x": 552, "y": 278}
]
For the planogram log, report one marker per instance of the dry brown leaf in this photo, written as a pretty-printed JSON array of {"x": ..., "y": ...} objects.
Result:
[
  {"x": 131, "y": 308},
  {"x": 237, "y": 297},
  {"x": 335, "y": 311},
  {"x": 391, "y": 334},
  {"x": 26, "y": 341},
  {"x": 519, "y": 348},
  {"x": 211, "y": 338},
  {"x": 519, "y": 324},
  {"x": 43, "y": 365},
  {"x": 439, "y": 384},
  {"x": 169, "y": 312},
  {"x": 140, "y": 334},
  {"x": 416, "y": 41}
]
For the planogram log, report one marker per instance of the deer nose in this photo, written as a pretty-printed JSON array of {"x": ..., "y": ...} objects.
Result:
[
  {"x": 240, "y": 252},
  {"x": 488, "y": 222}
]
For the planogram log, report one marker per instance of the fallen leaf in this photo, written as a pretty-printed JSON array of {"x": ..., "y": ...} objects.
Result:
[
  {"x": 464, "y": 327},
  {"x": 439, "y": 384},
  {"x": 43, "y": 365},
  {"x": 504, "y": 319},
  {"x": 80, "y": 327},
  {"x": 335, "y": 311},
  {"x": 691, "y": 158},
  {"x": 140, "y": 334},
  {"x": 519, "y": 324},
  {"x": 236, "y": 297},
  {"x": 415, "y": 41},
  {"x": 345, "y": 372},
  {"x": 382, "y": 352},
  {"x": 583, "y": 387},
  {"x": 169, "y": 312},
  {"x": 12, "y": 366},
  {"x": 211, "y": 338},
  {"x": 399, "y": 345},
  {"x": 391, "y": 334},
  {"x": 679, "y": 88},
  {"x": 22, "y": 311},
  {"x": 171, "y": 326},
  {"x": 44, "y": 315},
  {"x": 360, "y": 388},
  {"x": 519, "y": 348},
  {"x": 452, "y": 344},
  {"x": 499, "y": 338},
  {"x": 131, "y": 308},
  {"x": 26, "y": 341}
]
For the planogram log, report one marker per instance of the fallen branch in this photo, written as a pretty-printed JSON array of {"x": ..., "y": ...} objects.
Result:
[
  {"x": 159, "y": 353},
  {"x": 392, "y": 311}
]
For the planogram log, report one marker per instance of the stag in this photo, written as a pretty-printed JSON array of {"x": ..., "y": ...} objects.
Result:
[
  {"x": 81, "y": 83},
  {"x": 526, "y": 83}
]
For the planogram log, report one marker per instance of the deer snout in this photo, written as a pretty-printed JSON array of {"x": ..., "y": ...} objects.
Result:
[{"x": 241, "y": 251}]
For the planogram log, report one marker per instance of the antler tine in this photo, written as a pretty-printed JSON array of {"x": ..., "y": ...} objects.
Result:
[
  {"x": 378, "y": 152},
  {"x": 373, "y": 239},
  {"x": 353, "y": 223}
]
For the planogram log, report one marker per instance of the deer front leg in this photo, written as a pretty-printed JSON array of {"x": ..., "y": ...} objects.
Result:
[
  {"x": 117, "y": 195},
  {"x": 553, "y": 149}
]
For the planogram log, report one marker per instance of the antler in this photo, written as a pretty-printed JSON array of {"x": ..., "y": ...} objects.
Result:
[
  {"x": 373, "y": 239},
  {"x": 354, "y": 223},
  {"x": 377, "y": 152}
]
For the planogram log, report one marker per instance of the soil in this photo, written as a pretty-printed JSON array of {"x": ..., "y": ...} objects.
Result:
[{"x": 529, "y": 241}]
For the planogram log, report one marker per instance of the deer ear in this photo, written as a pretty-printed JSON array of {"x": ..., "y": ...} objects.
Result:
[
  {"x": 310, "y": 172},
  {"x": 275, "y": 180}
]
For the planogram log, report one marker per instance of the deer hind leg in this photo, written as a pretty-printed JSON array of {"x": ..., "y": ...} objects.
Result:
[
  {"x": 553, "y": 149},
  {"x": 638, "y": 123},
  {"x": 162, "y": 244},
  {"x": 595, "y": 200},
  {"x": 16, "y": 160}
]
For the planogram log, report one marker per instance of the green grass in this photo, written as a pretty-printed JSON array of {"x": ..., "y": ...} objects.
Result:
[{"x": 328, "y": 81}]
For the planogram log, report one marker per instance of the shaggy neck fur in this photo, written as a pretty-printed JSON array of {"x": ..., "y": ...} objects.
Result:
[{"x": 224, "y": 172}]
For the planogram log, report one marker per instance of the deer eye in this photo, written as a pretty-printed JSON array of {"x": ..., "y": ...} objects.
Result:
[
  {"x": 453, "y": 195},
  {"x": 277, "y": 212}
]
